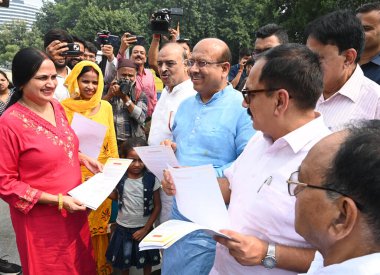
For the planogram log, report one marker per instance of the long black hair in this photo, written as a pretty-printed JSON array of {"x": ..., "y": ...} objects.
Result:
[{"x": 25, "y": 65}]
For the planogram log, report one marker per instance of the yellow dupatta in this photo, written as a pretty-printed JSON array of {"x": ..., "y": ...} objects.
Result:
[{"x": 74, "y": 104}]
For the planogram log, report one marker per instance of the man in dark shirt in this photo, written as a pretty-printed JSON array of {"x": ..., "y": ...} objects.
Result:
[{"x": 369, "y": 14}]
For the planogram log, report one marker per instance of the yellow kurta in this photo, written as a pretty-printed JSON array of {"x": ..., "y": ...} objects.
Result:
[{"x": 98, "y": 220}]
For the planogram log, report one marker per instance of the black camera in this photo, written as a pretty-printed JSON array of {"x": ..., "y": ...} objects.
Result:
[
  {"x": 162, "y": 18},
  {"x": 106, "y": 38},
  {"x": 126, "y": 86},
  {"x": 74, "y": 50}
]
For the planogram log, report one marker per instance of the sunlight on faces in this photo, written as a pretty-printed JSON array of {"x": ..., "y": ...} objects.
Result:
[
  {"x": 261, "y": 106},
  {"x": 3, "y": 84},
  {"x": 313, "y": 209},
  {"x": 40, "y": 88},
  {"x": 212, "y": 77},
  {"x": 138, "y": 55},
  {"x": 334, "y": 75},
  {"x": 127, "y": 73},
  {"x": 171, "y": 65},
  {"x": 88, "y": 84}
]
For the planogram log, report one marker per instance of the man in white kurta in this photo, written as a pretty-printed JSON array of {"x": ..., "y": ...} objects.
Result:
[{"x": 178, "y": 87}]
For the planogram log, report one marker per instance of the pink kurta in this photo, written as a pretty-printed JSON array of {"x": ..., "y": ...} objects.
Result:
[{"x": 37, "y": 157}]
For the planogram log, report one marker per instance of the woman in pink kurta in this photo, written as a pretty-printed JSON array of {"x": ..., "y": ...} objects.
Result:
[{"x": 39, "y": 160}]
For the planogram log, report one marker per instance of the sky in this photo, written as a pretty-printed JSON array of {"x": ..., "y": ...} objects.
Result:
[{"x": 37, "y": 3}]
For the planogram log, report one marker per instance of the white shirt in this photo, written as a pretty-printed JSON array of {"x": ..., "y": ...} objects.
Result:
[
  {"x": 365, "y": 265},
  {"x": 359, "y": 98},
  {"x": 166, "y": 108},
  {"x": 260, "y": 204},
  {"x": 61, "y": 92}
]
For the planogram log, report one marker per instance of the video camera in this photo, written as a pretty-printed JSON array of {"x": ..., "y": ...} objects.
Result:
[
  {"x": 126, "y": 86},
  {"x": 106, "y": 38},
  {"x": 161, "y": 19}
]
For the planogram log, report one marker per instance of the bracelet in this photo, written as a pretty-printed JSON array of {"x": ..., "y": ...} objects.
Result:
[
  {"x": 128, "y": 103},
  {"x": 60, "y": 201}
]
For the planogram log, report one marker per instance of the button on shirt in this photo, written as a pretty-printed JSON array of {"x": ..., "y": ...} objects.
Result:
[
  {"x": 260, "y": 204},
  {"x": 365, "y": 265},
  {"x": 359, "y": 98},
  {"x": 166, "y": 108}
]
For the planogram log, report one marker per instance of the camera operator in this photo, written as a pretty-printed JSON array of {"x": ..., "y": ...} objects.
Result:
[
  {"x": 72, "y": 61},
  {"x": 129, "y": 108},
  {"x": 55, "y": 43},
  {"x": 238, "y": 72}
]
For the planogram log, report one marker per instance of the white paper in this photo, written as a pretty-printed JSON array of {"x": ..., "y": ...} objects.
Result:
[
  {"x": 169, "y": 232},
  {"x": 95, "y": 190},
  {"x": 199, "y": 197},
  {"x": 90, "y": 134},
  {"x": 157, "y": 158}
]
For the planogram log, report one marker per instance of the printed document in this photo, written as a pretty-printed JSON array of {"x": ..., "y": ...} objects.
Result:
[{"x": 94, "y": 191}]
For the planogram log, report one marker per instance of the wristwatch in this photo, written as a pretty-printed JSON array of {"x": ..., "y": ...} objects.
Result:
[
  {"x": 128, "y": 103},
  {"x": 269, "y": 260}
]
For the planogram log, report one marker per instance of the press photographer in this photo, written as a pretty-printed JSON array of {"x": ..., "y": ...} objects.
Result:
[{"x": 129, "y": 108}]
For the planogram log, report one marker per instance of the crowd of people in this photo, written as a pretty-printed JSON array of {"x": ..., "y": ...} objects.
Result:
[{"x": 292, "y": 132}]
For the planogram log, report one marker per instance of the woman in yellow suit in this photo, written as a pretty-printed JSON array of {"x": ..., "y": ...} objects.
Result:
[{"x": 85, "y": 84}]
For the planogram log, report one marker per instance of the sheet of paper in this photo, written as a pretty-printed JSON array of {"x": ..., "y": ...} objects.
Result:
[
  {"x": 157, "y": 158},
  {"x": 199, "y": 197},
  {"x": 90, "y": 134},
  {"x": 95, "y": 190},
  {"x": 171, "y": 231}
]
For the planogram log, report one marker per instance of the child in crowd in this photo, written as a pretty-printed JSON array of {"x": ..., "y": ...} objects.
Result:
[{"x": 139, "y": 206}]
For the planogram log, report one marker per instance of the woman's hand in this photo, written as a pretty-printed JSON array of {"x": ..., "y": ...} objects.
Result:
[
  {"x": 91, "y": 164},
  {"x": 72, "y": 205}
]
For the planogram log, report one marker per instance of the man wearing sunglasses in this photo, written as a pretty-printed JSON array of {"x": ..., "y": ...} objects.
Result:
[
  {"x": 281, "y": 92},
  {"x": 337, "y": 190}
]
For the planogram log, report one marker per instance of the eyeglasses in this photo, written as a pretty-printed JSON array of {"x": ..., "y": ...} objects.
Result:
[
  {"x": 295, "y": 187},
  {"x": 247, "y": 94},
  {"x": 200, "y": 63},
  {"x": 169, "y": 64}
]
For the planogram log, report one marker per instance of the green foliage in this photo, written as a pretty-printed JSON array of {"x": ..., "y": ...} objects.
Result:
[
  {"x": 14, "y": 36},
  {"x": 232, "y": 21}
]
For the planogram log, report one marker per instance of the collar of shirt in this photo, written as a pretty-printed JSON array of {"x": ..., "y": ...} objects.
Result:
[
  {"x": 216, "y": 95},
  {"x": 141, "y": 74},
  {"x": 364, "y": 265},
  {"x": 68, "y": 72},
  {"x": 298, "y": 138},
  {"x": 376, "y": 59},
  {"x": 352, "y": 88},
  {"x": 180, "y": 87}
]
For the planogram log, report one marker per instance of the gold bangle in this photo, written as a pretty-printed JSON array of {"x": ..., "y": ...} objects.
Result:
[{"x": 60, "y": 201}]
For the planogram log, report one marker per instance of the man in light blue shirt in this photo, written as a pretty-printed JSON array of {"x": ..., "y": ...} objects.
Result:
[{"x": 212, "y": 127}]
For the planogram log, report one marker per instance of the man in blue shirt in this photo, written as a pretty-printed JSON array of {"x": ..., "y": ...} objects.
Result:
[
  {"x": 369, "y": 15},
  {"x": 212, "y": 127}
]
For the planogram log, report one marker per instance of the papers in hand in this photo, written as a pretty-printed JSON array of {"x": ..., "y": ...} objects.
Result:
[
  {"x": 199, "y": 199},
  {"x": 157, "y": 158},
  {"x": 90, "y": 134},
  {"x": 95, "y": 190},
  {"x": 169, "y": 232}
]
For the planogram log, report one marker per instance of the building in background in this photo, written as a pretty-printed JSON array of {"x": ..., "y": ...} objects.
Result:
[{"x": 19, "y": 10}]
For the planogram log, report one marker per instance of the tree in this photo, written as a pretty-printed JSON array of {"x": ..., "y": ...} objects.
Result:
[{"x": 14, "y": 36}]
